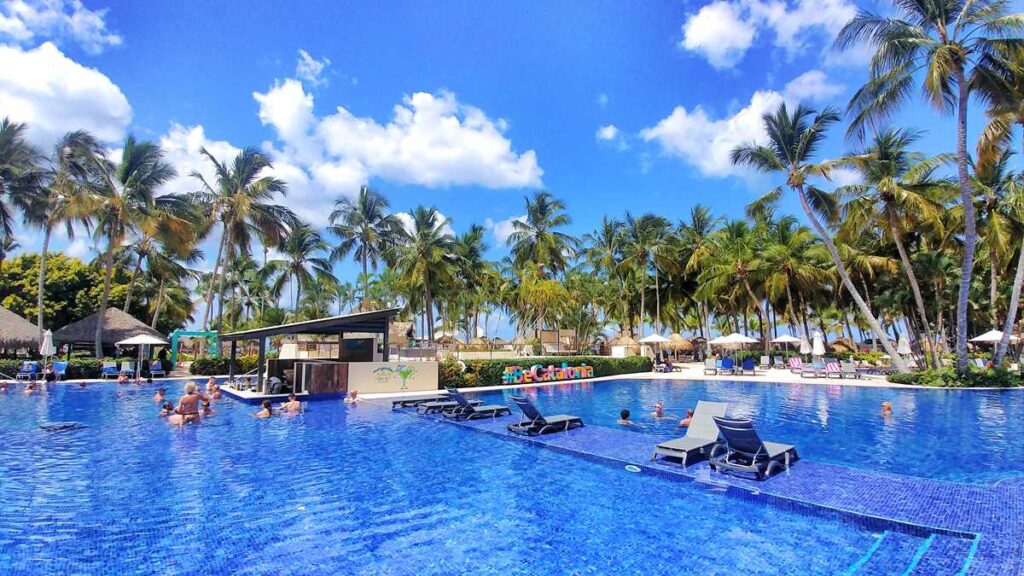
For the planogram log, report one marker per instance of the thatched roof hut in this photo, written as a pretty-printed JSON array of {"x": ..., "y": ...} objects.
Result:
[
  {"x": 623, "y": 341},
  {"x": 478, "y": 341},
  {"x": 117, "y": 326},
  {"x": 446, "y": 340},
  {"x": 16, "y": 332},
  {"x": 680, "y": 344},
  {"x": 842, "y": 346}
]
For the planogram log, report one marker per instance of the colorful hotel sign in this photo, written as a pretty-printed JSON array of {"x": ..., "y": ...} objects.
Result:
[{"x": 538, "y": 373}]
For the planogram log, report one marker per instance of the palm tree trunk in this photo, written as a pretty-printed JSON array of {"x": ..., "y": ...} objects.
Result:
[
  {"x": 992, "y": 280},
  {"x": 213, "y": 280},
  {"x": 1011, "y": 310},
  {"x": 131, "y": 283},
  {"x": 41, "y": 284},
  {"x": 366, "y": 283},
  {"x": 158, "y": 305},
  {"x": 792, "y": 308},
  {"x": 643, "y": 281},
  {"x": 876, "y": 329},
  {"x": 429, "y": 302},
  {"x": 108, "y": 272},
  {"x": 897, "y": 237},
  {"x": 760, "y": 312},
  {"x": 970, "y": 225},
  {"x": 657, "y": 305}
]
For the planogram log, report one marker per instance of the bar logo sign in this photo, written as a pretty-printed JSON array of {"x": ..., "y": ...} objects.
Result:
[{"x": 551, "y": 373}]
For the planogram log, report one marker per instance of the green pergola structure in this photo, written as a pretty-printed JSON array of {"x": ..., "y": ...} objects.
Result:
[{"x": 211, "y": 338}]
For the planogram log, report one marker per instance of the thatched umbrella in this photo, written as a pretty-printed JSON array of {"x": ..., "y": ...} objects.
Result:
[
  {"x": 842, "y": 346},
  {"x": 16, "y": 332},
  {"x": 446, "y": 340},
  {"x": 117, "y": 326},
  {"x": 680, "y": 344},
  {"x": 478, "y": 341}
]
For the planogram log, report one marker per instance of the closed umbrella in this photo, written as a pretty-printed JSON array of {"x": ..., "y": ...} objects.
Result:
[
  {"x": 805, "y": 346},
  {"x": 46, "y": 348},
  {"x": 903, "y": 346},
  {"x": 818, "y": 345}
]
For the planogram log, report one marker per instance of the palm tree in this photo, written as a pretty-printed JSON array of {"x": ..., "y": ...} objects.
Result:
[
  {"x": 791, "y": 263},
  {"x": 19, "y": 174},
  {"x": 303, "y": 263},
  {"x": 993, "y": 180},
  {"x": 171, "y": 274},
  {"x": 7, "y": 245},
  {"x": 537, "y": 239},
  {"x": 735, "y": 247},
  {"x": 344, "y": 295},
  {"x": 124, "y": 200},
  {"x": 949, "y": 43},
  {"x": 424, "y": 258},
  {"x": 471, "y": 268},
  {"x": 240, "y": 201},
  {"x": 898, "y": 195},
  {"x": 694, "y": 236},
  {"x": 364, "y": 227},
  {"x": 66, "y": 198},
  {"x": 793, "y": 141},
  {"x": 1015, "y": 202},
  {"x": 646, "y": 238}
]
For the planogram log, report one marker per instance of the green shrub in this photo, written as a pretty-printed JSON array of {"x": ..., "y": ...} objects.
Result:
[
  {"x": 948, "y": 378},
  {"x": 741, "y": 355},
  {"x": 219, "y": 366},
  {"x": 488, "y": 372},
  {"x": 874, "y": 358},
  {"x": 78, "y": 368}
]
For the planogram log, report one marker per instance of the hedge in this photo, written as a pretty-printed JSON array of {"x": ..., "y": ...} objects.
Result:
[
  {"x": 998, "y": 377},
  {"x": 86, "y": 368},
  {"x": 488, "y": 372},
  {"x": 219, "y": 366}
]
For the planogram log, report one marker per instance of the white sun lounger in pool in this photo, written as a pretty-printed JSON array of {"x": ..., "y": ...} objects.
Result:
[{"x": 701, "y": 436}]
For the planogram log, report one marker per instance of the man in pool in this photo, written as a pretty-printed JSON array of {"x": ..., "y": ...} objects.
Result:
[
  {"x": 685, "y": 422},
  {"x": 266, "y": 412},
  {"x": 166, "y": 410},
  {"x": 659, "y": 410},
  {"x": 292, "y": 406},
  {"x": 160, "y": 396},
  {"x": 352, "y": 397},
  {"x": 886, "y": 408},
  {"x": 624, "y": 418}
]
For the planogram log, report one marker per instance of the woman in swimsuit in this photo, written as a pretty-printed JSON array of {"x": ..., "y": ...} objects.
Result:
[
  {"x": 266, "y": 412},
  {"x": 188, "y": 405}
]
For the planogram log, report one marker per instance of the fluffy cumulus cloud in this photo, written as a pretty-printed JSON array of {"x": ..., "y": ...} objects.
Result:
[
  {"x": 182, "y": 146},
  {"x": 720, "y": 33},
  {"x": 812, "y": 85},
  {"x": 310, "y": 70},
  {"x": 502, "y": 229},
  {"x": 724, "y": 30},
  {"x": 54, "y": 94},
  {"x": 431, "y": 140},
  {"x": 30, "y": 21},
  {"x": 607, "y": 133}
]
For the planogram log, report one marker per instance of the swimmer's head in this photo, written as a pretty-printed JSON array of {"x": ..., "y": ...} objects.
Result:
[
  {"x": 291, "y": 397},
  {"x": 168, "y": 406},
  {"x": 624, "y": 415},
  {"x": 689, "y": 412},
  {"x": 190, "y": 387}
]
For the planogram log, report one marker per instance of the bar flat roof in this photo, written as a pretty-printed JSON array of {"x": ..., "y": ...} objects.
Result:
[{"x": 374, "y": 322}]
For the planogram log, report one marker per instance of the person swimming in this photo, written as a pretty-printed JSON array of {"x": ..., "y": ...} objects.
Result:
[
  {"x": 266, "y": 412},
  {"x": 166, "y": 410},
  {"x": 160, "y": 396},
  {"x": 188, "y": 405},
  {"x": 659, "y": 410},
  {"x": 292, "y": 406},
  {"x": 31, "y": 388},
  {"x": 122, "y": 378},
  {"x": 624, "y": 418},
  {"x": 207, "y": 411},
  {"x": 212, "y": 389},
  {"x": 685, "y": 422},
  {"x": 887, "y": 408},
  {"x": 4, "y": 386},
  {"x": 352, "y": 398}
]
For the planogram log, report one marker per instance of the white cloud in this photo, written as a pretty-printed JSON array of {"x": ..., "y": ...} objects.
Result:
[
  {"x": 844, "y": 177},
  {"x": 602, "y": 100},
  {"x": 78, "y": 248},
  {"x": 30, "y": 21},
  {"x": 724, "y": 30},
  {"x": 182, "y": 148},
  {"x": 503, "y": 228},
  {"x": 406, "y": 219},
  {"x": 812, "y": 85},
  {"x": 607, "y": 133},
  {"x": 310, "y": 70},
  {"x": 719, "y": 32},
  {"x": 55, "y": 94},
  {"x": 706, "y": 142}
]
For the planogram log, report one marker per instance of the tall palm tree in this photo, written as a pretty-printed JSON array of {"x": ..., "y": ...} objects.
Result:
[
  {"x": 898, "y": 195},
  {"x": 240, "y": 201},
  {"x": 993, "y": 180},
  {"x": 304, "y": 263},
  {"x": 793, "y": 141},
  {"x": 65, "y": 198},
  {"x": 19, "y": 172},
  {"x": 365, "y": 228},
  {"x": 7, "y": 245},
  {"x": 1015, "y": 203},
  {"x": 791, "y": 263},
  {"x": 735, "y": 248},
  {"x": 645, "y": 239},
  {"x": 125, "y": 198},
  {"x": 424, "y": 258},
  {"x": 171, "y": 273},
  {"x": 948, "y": 44},
  {"x": 538, "y": 239},
  {"x": 694, "y": 236},
  {"x": 471, "y": 268}
]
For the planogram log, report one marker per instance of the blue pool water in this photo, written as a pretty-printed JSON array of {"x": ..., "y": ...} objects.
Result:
[
  {"x": 958, "y": 435},
  {"x": 361, "y": 490}
]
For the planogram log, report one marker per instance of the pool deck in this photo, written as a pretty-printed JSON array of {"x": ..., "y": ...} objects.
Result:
[{"x": 974, "y": 529}]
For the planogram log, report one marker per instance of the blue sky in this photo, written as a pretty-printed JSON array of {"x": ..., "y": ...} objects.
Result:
[{"x": 467, "y": 106}]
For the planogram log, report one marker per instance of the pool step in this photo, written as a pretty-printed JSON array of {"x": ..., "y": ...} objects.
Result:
[{"x": 901, "y": 554}]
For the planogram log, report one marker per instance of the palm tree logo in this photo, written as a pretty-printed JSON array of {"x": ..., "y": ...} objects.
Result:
[{"x": 404, "y": 371}]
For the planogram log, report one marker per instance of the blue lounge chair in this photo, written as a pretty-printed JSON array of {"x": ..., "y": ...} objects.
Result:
[
  {"x": 728, "y": 366},
  {"x": 109, "y": 370},
  {"x": 815, "y": 370},
  {"x": 60, "y": 369},
  {"x": 536, "y": 423},
  {"x": 157, "y": 368},
  {"x": 128, "y": 368},
  {"x": 748, "y": 366},
  {"x": 29, "y": 370},
  {"x": 701, "y": 437},
  {"x": 468, "y": 410},
  {"x": 746, "y": 452}
]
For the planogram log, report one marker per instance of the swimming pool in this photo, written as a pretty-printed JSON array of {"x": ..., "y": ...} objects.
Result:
[
  {"x": 970, "y": 436},
  {"x": 362, "y": 490}
]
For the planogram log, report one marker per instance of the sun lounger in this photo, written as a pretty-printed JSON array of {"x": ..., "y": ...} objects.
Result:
[
  {"x": 796, "y": 365},
  {"x": 815, "y": 370},
  {"x": 779, "y": 363},
  {"x": 746, "y": 452},
  {"x": 469, "y": 410},
  {"x": 766, "y": 363},
  {"x": 109, "y": 370},
  {"x": 60, "y": 369},
  {"x": 728, "y": 366},
  {"x": 832, "y": 369},
  {"x": 157, "y": 368},
  {"x": 419, "y": 400},
  {"x": 979, "y": 363},
  {"x": 536, "y": 423},
  {"x": 701, "y": 437},
  {"x": 28, "y": 371},
  {"x": 748, "y": 366},
  {"x": 711, "y": 366},
  {"x": 128, "y": 368},
  {"x": 849, "y": 370}
]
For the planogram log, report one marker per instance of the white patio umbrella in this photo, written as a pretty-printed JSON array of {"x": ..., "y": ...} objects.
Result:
[
  {"x": 46, "y": 347},
  {"x": 655, "y": 339},
  {"x": 141, "y": 341},
  {"x": 993, "y": 336},
  {"x": 786, "y": 339},
  {"x": 903, "y": 346},
  {"x": 805, "y": 346},
  {"x": 818, "y": 344}
]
